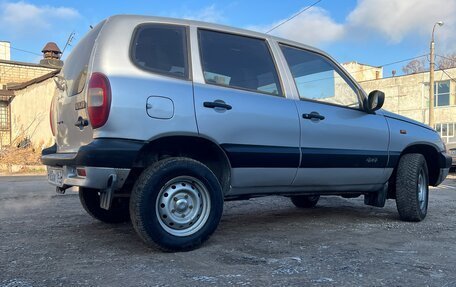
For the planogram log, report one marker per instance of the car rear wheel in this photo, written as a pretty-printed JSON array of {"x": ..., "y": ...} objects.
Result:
[
  {"x": 412, "y": 187},
  {"x": 90, "y": 200},
  {"x": 176, "y": 204},
  {"x": 305, "y": 201}
]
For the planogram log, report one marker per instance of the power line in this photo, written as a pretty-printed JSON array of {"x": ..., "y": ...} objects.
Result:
[
  {"x": 363, "y": 70},
  {"x": 22, "y": 50},
  {"x": 392, "y": 63},
  {"x": 453, "y": 60},
  {"x": 292, "y": 17},
  {"x": 448, "y": 75}
]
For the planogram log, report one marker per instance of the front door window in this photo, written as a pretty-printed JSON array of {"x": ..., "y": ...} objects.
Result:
[{"x": 319, "y": 79}]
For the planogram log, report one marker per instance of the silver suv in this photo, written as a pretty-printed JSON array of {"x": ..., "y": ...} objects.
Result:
[{"x": 160, "y": 120}]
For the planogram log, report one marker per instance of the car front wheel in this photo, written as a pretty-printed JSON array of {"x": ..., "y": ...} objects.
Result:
[{"x": 412, "y": 187}]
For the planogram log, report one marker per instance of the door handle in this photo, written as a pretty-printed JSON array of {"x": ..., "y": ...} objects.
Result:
[
  {"x": 312, "y": 116},
  {"x": 217, "y": 104}
]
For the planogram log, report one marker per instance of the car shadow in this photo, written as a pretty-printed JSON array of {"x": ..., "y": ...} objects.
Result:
[{"x": 250, "y": 219}]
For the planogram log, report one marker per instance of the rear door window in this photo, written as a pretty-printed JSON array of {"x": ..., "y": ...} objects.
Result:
[
  {"x": 238, "y": 62},
  {"x": 162, "y": 49}
]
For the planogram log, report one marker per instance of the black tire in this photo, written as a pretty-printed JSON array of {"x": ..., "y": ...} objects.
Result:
[
  {"x": 90, "y": 200},
  {"x": 150, "y": 198},
  {"x": 412, "y": 174},
  {"x": 305, "y": 201}
]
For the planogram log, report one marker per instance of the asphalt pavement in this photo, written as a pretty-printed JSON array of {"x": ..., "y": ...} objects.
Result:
[{"x": 47, "y": 239}]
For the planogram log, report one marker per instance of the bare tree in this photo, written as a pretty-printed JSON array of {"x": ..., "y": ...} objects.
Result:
[
  {"x": 414, "y": 66},
  {"x": 446, "y": 62}
]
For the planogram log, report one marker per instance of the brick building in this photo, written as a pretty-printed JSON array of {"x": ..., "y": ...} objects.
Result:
[{"x": 15, "y": 77}]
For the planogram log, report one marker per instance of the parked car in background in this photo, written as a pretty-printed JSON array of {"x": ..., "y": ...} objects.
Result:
[
  {"x": 451, "y": 147},
  {"x": 160, "y": 120}
]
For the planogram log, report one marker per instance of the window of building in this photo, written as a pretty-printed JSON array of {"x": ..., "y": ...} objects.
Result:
[
  {"x": 441, "y": 93},
  {"x": 162, "y": 49},
  {"x": 238, "y": 62},
  {"x": 4, "y": 116},
  {"x": 319, "y": 79},
  {"x": 447, "y": 132},
  {"x": 4, "y": 124}
]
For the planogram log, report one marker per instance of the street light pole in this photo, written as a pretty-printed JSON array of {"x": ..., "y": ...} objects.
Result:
[{"x": 431, "y": 78}]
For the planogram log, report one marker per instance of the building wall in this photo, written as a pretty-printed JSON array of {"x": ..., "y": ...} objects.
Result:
[
  {"x": 30, "y": 114},
  {"x": 5, "y": 50},
  {"x": 361, "y": 72},
  {"x": 409, "y": 96},
  {"x": 13, "y": 72}
]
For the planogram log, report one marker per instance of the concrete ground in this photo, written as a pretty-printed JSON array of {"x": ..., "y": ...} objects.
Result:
[{"x": 48, "y": 240}]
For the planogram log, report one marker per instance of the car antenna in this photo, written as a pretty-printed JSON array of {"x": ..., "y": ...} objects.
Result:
[{"x": 68, "y": 42}]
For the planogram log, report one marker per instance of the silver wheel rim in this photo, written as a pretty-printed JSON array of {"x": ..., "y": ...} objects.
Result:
[
  {"x": 422, "y": 189},
  {"x": 183, "y": 206}
]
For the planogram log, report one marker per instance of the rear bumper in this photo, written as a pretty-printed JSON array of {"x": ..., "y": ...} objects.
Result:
[
  {"x": 107, "y": 163},
  {"x": 114, "y": 153},
  {"x": 96, "y": 177}
]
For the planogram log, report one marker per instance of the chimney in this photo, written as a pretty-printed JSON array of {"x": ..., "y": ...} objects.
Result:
[
  {"x": 5, "y": 50},
  {"x": 51, "y": 56}
]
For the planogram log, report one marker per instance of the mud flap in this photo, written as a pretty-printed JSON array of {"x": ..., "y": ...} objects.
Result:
[
  {"x": 107, "y": 194},
  {"x": 377, "y": 199}
]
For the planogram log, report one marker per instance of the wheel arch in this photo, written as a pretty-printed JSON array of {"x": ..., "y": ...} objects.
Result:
[
  {"x": 430, "y": 153},
  {"x": 192, "y": 146}
]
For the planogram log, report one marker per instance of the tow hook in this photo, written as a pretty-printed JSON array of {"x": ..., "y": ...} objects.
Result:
[{"x": 61, "y": 190}]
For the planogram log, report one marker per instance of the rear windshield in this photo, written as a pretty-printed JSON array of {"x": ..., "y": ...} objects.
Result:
[{"x": 75, "y": 67}]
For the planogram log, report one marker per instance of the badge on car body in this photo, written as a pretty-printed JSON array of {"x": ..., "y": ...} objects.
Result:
[
  {"x": 372, "y": 160},
  {"x": 80, "y": 105}
]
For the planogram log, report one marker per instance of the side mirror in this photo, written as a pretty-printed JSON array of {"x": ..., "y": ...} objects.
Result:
[{"x": 375, "y": 101}]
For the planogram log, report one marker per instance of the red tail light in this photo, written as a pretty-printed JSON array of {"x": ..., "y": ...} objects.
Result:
[
  {"x": 51, "y": 117},
  {"x": 99, "y": 100}
]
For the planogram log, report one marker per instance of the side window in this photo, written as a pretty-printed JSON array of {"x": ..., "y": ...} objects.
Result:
[
  {"x": 162, "y": 49},
  {"x": 238, "y": 62},
  {"x": 319, "y": 79}
]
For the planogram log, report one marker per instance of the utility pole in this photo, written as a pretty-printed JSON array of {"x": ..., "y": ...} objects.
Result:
[{"x": 431, "y": 78}]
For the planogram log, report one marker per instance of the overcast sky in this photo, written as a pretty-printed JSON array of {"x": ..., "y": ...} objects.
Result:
[{"x": 374, "y": 32}]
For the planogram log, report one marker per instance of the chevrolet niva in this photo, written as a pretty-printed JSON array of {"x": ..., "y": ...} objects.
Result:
[{"x": 160, "y": 120}]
